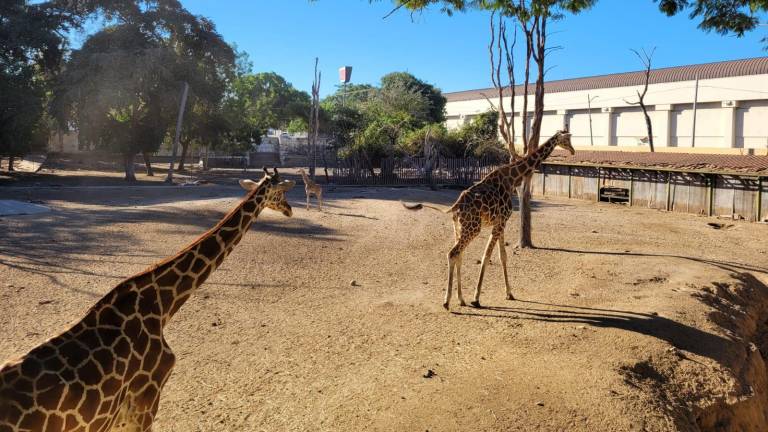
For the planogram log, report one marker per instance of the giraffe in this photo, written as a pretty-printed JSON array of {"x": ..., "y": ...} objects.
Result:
[
  {"x": 310, "y": 187},
  {"x": 489, "y": 202},
  {"x": 106, "y": 372}
]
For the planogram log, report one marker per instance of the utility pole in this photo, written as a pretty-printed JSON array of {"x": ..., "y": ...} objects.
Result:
[
  {"x": 589, "y": 111},
  {"x": 695, "y": 102},
  {"x": 177, "y": 136}
]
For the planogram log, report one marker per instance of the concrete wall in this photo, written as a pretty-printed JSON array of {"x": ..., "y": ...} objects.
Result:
[{"x": 730, "y": 116}]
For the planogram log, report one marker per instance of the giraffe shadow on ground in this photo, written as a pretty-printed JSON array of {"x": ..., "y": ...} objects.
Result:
[{"x": 679, "y": 335}]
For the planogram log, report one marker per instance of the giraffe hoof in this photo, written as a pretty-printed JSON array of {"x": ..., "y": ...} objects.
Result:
[
  {"x": 475, "y": 304},
  {"x": 445, "y": 305},
  {"x": 463, "y": 304},
  {"x": 510, "y": 297}
]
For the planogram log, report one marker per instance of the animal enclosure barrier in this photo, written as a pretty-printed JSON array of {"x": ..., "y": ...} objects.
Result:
[
  {"x": 413, "y": 171},
  {"x": 709, "y": 193}
]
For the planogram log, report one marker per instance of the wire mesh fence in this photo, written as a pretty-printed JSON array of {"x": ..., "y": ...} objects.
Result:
[{"x": 413, "y": 171}]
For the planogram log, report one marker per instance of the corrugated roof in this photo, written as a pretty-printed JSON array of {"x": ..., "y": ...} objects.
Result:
[
  {"x": 683, "y": 161},
  {"x": 753, "y": 66}
]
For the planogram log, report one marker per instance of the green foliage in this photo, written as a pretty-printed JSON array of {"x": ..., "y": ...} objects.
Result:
[
  {"x": 477, "y": 138},
  {"x": 297, "y": 126},
  {"x": 31, "y": 50},
  {"x": 257, "y": 102},
  {"x": 722, "y": 16},
  {"x": 121, "y": 89},
  {"x": 404, "y": 80}
]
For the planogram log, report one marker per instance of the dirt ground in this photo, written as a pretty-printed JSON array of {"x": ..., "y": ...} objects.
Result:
[{"x": 627, "y": 319}]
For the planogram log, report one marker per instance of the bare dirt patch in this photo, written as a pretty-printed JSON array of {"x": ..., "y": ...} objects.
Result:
[{"x": 627, "y": 319}]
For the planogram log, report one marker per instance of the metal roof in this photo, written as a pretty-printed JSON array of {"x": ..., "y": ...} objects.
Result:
[
  {"x": 744, "y": 164},
  {"x": 752, "y": 66}
]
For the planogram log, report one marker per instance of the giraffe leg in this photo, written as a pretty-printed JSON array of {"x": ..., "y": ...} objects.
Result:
[
  {"x": 320, "y": 200},
  {"x": 458, "y": 279},
  {"x": 307, "y": 200},
  {"x": 503, "y": 259},
  {"x": 486, "y": 256}
]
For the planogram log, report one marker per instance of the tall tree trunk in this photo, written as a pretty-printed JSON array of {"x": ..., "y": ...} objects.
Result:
[
  {"x": 10, "y": 163},
  {"x": 524, "y": 195},
  {"x": 184, "y": 148},
  {"x": 649, "y": 125},
  {"x": 130, "y": 171},
  {"x": 148, "y": 164}
]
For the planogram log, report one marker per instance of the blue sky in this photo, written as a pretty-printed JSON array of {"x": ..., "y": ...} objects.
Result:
[{"x": 451, "y": 52}]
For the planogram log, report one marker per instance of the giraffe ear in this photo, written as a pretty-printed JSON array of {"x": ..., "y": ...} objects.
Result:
[
  {"x": 248, "y": 184},
  {"x": 285, "y": 185}
]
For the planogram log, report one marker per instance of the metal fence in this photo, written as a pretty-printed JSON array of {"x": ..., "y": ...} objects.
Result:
[
  {"x": 736, "y": 195},
  {"x": 413, "y": 171}
]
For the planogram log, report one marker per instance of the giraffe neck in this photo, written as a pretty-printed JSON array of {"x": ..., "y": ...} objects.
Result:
[
  {"x": 535, "y": 159},
  {"x": 164, "y": 288}
]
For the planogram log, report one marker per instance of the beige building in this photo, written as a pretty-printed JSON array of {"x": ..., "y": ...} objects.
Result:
[{"x": 731, "y": 108}]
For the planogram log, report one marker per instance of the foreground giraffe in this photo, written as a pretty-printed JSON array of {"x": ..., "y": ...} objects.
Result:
[
  {"x": 312, "y": 188},
  {"x": 489, "y": 202},
  {"x": 107, "y": 371}
]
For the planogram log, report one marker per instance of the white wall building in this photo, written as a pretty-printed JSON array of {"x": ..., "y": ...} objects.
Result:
[{"x": 731, "y": 108}]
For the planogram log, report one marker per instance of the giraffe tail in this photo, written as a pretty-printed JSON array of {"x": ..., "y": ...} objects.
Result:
[{"x": 419, "y": 206}]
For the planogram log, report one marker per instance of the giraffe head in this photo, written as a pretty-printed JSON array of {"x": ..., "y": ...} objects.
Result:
[
  {"x": 563, "y": 140},
  {"x": 274, "y": 195}
]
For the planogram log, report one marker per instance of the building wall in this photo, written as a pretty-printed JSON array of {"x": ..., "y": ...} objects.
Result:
[{"x": 731, "y": 116}]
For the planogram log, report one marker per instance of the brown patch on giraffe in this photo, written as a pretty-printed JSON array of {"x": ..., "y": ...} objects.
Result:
[
  {"x": 32, "y": 420},
  {"x": 90, "y": 404},
  {"x": 209, "y": 247},
  {"x": 51, "y": 397},
  {"x": 31, "y": 368},
  {"x": 184, "y": 265},
  {"x": 46, "y": 381},
  {"x": 55, "y": 423},
  {"x": 122, "y": 348},
  {"x": 89, "y": 373},
  {"x": 110, "y": 386},
  {"x": 72, "y": 397},
  {"x": 73, "y": 353},
  {"x": 198, "y": 265},
  {"x": 149, "y": 302},
  {"x": 105, "y": 360},
  {"x": 109, "y": 317},
  {"x": 167, "y": 279}
]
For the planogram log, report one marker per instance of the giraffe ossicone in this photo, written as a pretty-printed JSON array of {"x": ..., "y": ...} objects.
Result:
[{"x": 106, "y": 372}]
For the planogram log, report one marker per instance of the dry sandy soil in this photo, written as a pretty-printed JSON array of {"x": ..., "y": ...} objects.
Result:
[{"x": 626, "y": 319}]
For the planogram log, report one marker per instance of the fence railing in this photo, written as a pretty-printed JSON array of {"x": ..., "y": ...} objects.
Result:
[{"x": 413, "y": 171}]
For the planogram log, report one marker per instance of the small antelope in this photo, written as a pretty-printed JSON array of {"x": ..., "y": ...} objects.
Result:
[{"x": 311, "y": 188}]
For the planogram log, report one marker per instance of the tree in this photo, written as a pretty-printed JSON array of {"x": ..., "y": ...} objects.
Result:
[
  {"x": 31, "y": 50},
  {"x": 645, "y": 59},
  {"x": 532, "y": 18},
  {"x": 722, "y": 16},
  {"x": 257, "y": 102},
  {"x": 127, "y": 76},
  {"x": 436, "y": 113}
]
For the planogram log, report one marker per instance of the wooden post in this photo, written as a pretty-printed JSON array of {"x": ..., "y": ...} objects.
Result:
[
  {"x": 711, "y": 195},
  {"x": 598, "y": 184},
  {"x": 569, "y": 182},
  {"x": 669, "y": 177},
  {"x": 759, "y": 199},
  {"x": 543, "y": 180},
  {"x": 631, "y": 186}
]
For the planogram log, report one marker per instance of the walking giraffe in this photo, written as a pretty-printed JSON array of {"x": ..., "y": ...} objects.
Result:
[
  {"x": 312, "y": 188},
  {"x": 107, "y": 371},
  {"x": 489, "y": 202}
]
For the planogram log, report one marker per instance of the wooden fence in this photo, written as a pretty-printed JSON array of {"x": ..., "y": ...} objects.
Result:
[{"x": 737, "y": 195}]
